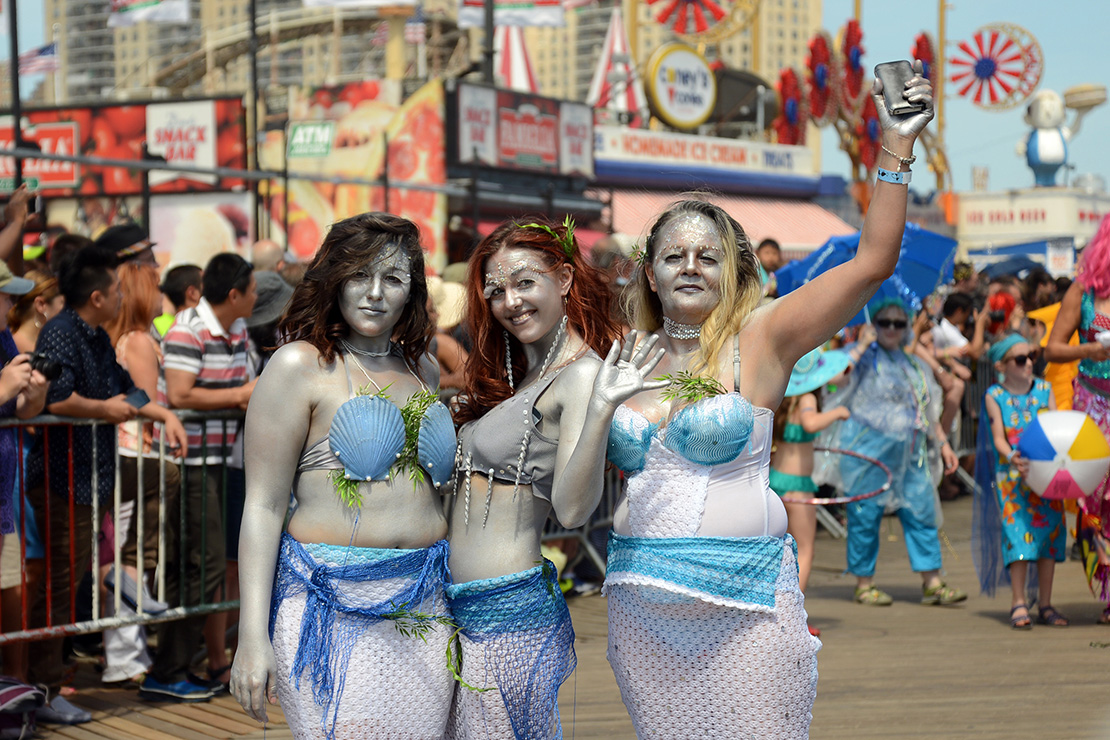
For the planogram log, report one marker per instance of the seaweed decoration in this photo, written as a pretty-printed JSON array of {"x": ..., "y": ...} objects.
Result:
[
  {"x": 370, "y": 390},
  {"x": 566, "y": 241},
  {"x": 690, "y": 388},
  {"x": 412, "y": 413},
  {"x": 347, "y": 488},
  {"x": 454, "y": 662},
  {"x": 412, "y": 623}
]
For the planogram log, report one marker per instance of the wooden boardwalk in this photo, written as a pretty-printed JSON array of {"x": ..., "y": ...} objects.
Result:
[{"x": 904, "y": 671}]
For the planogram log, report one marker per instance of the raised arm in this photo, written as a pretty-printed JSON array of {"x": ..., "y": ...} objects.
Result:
[
  {"x": 1058, "y": 348},
  {"x": 808, "y": 316},
  {"x": 589, "y": 392},
  {"x": 277, "y": 425}
]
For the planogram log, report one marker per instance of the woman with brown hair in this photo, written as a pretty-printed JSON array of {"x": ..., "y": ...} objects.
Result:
[
  {"x": 535, "y": 410},
  {"x": 140, "y": 355},
  {"x": 345, "y": 417}
]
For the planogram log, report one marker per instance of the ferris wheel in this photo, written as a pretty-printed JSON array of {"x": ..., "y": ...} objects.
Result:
[
  {"x": 705, "y": 21},
  {"x": 999, "y": 68}
]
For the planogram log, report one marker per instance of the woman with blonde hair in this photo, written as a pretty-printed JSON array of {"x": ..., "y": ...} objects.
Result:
[{"x": 707, "y": 628}]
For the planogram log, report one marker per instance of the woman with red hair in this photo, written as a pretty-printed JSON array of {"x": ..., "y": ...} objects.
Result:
[
  {"x": 535, "y": 412},
  {"x": 1086, "y": 309}
]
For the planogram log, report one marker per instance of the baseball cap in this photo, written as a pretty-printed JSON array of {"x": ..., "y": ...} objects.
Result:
[
  {"x": 125, "y": 240},
  {"x": 13, "y": 285}
]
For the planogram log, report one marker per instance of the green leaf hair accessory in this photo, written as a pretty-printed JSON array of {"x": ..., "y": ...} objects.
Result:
[
  {"x": 639, "y": 254},
  {"x": 690, "y": 388},
  {"x": 566, "y": 240}
]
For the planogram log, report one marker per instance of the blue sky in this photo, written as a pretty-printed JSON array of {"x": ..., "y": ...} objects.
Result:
[{"x": 1072, "y": 34}]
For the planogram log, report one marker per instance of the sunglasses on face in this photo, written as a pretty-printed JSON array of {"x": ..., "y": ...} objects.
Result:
[
  {"x": 1020, "y": 360},
  {"x": 891, "y": 323}
]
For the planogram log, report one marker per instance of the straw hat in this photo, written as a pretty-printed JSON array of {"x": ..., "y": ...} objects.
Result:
[{"x": 449, "y": 300}]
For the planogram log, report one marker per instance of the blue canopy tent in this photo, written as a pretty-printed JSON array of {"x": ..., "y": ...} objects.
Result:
[
  {"x": 1055, "y": 255},
  {"x": 924, "y": 262}
]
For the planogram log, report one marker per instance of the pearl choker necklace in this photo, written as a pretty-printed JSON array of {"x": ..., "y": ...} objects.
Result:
[{"x": 675, "y": 330}]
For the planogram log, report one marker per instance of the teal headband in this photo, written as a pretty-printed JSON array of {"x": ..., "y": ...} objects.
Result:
[{"x": 1002, "y": 346}]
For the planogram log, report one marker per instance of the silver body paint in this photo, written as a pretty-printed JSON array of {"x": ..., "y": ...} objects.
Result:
[{"x": 291, "y": 408}]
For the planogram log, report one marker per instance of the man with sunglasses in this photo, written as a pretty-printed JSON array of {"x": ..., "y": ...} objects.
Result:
[{"x": 207, "y": 369}]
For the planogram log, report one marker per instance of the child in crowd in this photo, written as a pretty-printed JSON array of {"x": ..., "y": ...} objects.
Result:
[
  {"x": 1031, "y": 528},
  {"x": 797, "y": 423}
]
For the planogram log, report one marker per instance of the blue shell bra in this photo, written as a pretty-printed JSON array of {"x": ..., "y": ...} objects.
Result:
[
  {"x": 367, "y": 436},
  {"x": 712, "y": 431}
]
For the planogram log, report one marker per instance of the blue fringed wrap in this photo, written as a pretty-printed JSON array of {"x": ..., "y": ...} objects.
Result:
[
  {"x": 741, "y": 570},
  {"x": 523, "y": 623},
  {"x": 986, "y": 517},
  {"x": 325, "y": 641}
]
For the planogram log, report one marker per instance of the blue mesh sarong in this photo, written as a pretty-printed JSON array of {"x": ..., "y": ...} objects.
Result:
[
  {"x": 333, "y": 621},
  {"x": 730, "y": 571},
  {"x": 521, "y": 626}
]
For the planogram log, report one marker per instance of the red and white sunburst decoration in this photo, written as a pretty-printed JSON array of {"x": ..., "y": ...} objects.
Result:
[
  {"x": 689, "y": 16},
  {"x": 999, "y": 68},
  {"x": 853, "y": 92}
]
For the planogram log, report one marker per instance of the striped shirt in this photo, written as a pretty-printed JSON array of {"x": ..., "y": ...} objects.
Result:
[{"x": 198, "y": 344}]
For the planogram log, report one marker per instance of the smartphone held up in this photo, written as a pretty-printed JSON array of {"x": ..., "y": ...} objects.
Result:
[{"x": 894, "y": 76}]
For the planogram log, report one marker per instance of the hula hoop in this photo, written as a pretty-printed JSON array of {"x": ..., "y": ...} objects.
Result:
[{"x": 850, "y": 499}]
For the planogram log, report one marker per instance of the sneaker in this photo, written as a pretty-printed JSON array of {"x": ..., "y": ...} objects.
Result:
[
  {"x": 942, "y": 594},
  {"x": 185, "y": 691},
  {"x": 872, "y": 596},
  {"x": 129, "y": 592},
  {"x": 60, "y": 711},
  {"x": 582, "y": 588}
]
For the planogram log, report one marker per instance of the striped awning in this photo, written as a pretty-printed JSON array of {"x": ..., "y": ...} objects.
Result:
[{"x": 797, "y": 225}]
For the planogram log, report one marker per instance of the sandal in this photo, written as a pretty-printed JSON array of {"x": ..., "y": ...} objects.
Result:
[
  {"x": 1022, "y": 622},
  {"x": 942, "y": 594},
  {"x": 1104, "y": 618},
  {"x": 872, "y": 596},
  {"x": 1048, "y": 615}
]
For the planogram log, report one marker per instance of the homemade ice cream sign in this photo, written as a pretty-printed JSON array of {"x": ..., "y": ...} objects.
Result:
[{"x": 680, "y": 86}]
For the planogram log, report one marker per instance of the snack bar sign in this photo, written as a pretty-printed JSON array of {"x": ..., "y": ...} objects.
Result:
[{"x": 524, "y": 132}]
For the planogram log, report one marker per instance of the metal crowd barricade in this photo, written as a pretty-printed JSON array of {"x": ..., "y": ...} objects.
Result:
[
  {"x": 600, "y": 520},
  {"x": 53, "y": 502}
]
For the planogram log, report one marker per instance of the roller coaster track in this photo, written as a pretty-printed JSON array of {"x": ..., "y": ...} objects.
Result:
[{"x": 224, "y": 46}]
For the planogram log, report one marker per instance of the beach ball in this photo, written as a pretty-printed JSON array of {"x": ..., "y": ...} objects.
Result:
[{"x": 1067, "y": 452}]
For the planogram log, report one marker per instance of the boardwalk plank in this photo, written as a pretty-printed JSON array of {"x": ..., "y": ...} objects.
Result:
[{"x": 904, "y": 672}]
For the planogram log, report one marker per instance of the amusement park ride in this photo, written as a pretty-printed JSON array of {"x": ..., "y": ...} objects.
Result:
[{"x": 998, "y": 69}]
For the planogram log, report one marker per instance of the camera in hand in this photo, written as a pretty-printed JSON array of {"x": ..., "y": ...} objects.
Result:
[
  {"x": 997, "y": 317},
  {"x": 44, "y": 365}
]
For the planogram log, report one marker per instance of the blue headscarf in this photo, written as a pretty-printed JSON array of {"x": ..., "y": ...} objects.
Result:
[{"x": 1002, "y": 346}]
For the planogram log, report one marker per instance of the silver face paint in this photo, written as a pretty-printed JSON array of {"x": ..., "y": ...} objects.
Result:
[
  {"x": 372, "y": 300},
  {"x": 503, "y": 274},
  {"x": 687, "y": 267},
  {"x": 524, "y": 294}
]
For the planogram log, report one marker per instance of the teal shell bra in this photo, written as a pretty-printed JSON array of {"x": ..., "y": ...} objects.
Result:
[
  {"x": 367, "y": 438},
  {"x": 796, "y": 434},
  {"x": 712, "y": 431}
]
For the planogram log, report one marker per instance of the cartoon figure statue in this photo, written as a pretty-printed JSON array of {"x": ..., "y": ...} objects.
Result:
[{"x": 1046, "y": 147}]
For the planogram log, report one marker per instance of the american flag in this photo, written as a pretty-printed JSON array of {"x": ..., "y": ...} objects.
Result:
[
  {"x": 381, "y": 34},
  {"x": 38, "y": 60},
  {"x": 415, "y": 28}
]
